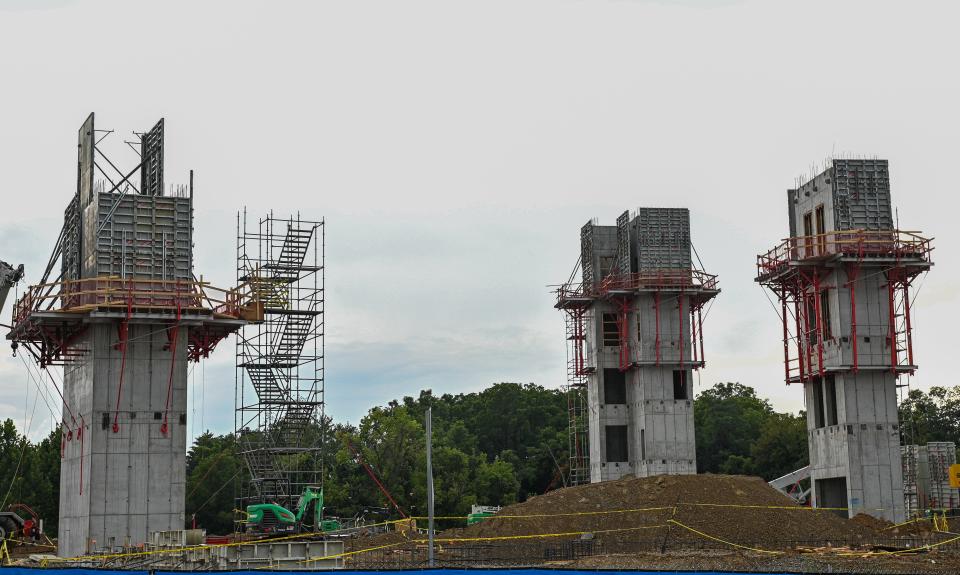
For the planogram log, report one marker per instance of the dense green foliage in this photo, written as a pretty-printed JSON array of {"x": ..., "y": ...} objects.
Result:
[
  {"x": 30, "y": 472},
  {"x": 932, "y": 416},
  {"x": 501, "y": 445},
  {"x": 739, "y": 433}
]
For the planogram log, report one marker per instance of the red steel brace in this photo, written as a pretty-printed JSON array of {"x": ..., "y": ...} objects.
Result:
[
  {"x": 123, "y": 330},
  {"x": 172, "y": 335}
]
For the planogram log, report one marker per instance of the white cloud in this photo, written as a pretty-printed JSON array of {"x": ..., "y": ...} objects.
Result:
[{"x": 456, "y": 148}]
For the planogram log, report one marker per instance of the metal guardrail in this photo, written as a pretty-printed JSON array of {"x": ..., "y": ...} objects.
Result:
[
  {"x": 141, "y": 294},
  {"x": 654, "y": 279},
  {"x": 897, "y": 244}
]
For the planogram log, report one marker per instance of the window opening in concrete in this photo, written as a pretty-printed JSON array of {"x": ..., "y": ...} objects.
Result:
[
  {"x": 818, "y": 420},
  {"x": 680, "y": 384},
  {"x": 831, "y": 397},
  {"x": 611, "y": 332},
  {"x": 614, "y": 387},
  {"x": 825, "y": 315},
  {"x": 811, "y": 320},
  {"x": 616, "y": 443},
  {"x": 808, "y": 232},
  {"x": 821, "y": 230},
  {"x": 643, "y": 446}
]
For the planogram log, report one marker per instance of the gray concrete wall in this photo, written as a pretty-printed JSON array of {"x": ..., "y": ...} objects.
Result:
[
  {"x": 863, "y": 445},
  {"x": 660, "y": 427},
  {"x": 133, "y": 480}
]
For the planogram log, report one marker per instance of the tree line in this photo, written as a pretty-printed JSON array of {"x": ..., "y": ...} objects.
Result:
[{"x": 494, "y": 447}]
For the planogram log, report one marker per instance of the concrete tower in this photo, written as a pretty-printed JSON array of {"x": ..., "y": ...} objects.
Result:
[
  {"x": 635, "y": 333},
  {"x": 843, "y": 280},
  {"x": 123, "y": 321}
]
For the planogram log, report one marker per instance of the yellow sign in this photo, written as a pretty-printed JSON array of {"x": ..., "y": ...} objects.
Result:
[{"x": 955, "y": 475}]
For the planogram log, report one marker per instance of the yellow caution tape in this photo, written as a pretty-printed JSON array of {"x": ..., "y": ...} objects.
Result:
[
  {"x": 536, "y": 535},
  {"x": 196, "y": 547},
  {"x": 914, "y": 520},
  {"x": 701, "y": 533},
  {"x": 469, "y": 539},
  {"x": 540, "y": 515},
  {"x": 25, "y": 542}
]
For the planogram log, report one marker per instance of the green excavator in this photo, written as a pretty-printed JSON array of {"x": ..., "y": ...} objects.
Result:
[{"x": 273, "y": 518}]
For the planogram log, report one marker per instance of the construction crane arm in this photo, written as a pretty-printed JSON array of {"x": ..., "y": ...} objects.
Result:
[{"x": 8, "y": 278}]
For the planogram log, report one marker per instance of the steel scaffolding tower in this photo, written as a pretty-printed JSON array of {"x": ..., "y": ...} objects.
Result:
[{"x": 280, "y": 361}]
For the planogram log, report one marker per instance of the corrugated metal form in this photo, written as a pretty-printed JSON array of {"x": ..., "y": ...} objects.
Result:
[
  {"x": 586, "y": 254},
  {"x": 623, "y": 243},
  {"x": 146, "y": 237},
  {"x": 940, "y": 456},
  {"x": 662, "y": 239},
  {"x": 151, "y": 156},
  {"x": 926, "y": 479},
  {"x": 72, "y": 236},
  {"x": 914, "y": 480},
  {"x": 861, "y": 195}
]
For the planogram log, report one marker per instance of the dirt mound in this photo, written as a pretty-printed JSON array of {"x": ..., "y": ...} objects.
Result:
[
  {"x": 741, "y": 509},
  {"x": 871, "y": 522}
]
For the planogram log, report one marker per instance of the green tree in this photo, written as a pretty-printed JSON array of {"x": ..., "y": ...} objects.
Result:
[
  {"x": 781, "y": 447},
  {"x": 214, "y": 470},
  {"x": 728, "y": 419},
  {"x": 496, "y": 483}
]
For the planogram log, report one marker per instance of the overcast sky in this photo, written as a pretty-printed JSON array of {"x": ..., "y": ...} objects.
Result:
[{"x": 455, "y": 149}]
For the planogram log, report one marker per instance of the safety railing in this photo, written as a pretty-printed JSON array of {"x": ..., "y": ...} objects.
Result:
[
  {"x": 135, "y": 294},
  {"x": 665, "y": 279},
  {"x": 896, "y": 244}
]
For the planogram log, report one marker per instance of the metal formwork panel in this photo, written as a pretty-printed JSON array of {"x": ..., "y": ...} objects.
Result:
[
  {"x": 661, "y": 238},
  {"x": 85, "y": 168},
  {"x": 151, "y": 157},
  {"x": 940, "y": 456},
  {"x": 72, "y": 238},
  {"x": 861, "y": 195},
  {"x": 622, "y": 265},
  {"x": 147, "y": 237},
  {"x": 586, "y": 254}
]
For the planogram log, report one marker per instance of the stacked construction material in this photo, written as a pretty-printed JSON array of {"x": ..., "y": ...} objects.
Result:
[
  {"x": 940, "y": 456},
  {"x": 926, "y": 477}
]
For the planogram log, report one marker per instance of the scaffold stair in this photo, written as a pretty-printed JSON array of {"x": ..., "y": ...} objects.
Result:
[
  {"x": 294, "y": 249},
  {"x": 296, "y": 330},
  {"x": 296, "y": 420},
  {"x": 264, "y": 473},
  {"x": 266, "y": 383}
]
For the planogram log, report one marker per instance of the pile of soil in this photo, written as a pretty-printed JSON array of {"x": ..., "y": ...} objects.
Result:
[{"x": 744, "y": 510}]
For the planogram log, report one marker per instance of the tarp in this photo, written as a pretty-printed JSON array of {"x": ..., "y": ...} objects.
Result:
[
  {"x": 479, "y": 572},
  {"x": 45, "y": 571}
]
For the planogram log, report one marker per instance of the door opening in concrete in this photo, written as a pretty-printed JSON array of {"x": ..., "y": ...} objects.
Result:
[
  {"x": 616, "y": 443},
  {"x": 680, "y": 384},
  {"x": 832, "y": 494},
  {"x": 808, "y": 232},
  {"x": 614, "y": 386}
]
